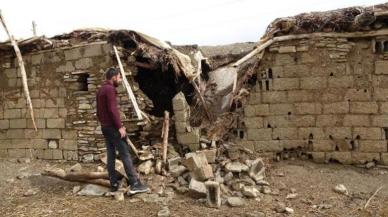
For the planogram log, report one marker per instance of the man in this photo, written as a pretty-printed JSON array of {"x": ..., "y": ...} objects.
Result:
[{"x": 114, "y": 133}]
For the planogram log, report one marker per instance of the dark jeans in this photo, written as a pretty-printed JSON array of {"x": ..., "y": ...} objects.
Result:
[{"x": 113, "y": 140}]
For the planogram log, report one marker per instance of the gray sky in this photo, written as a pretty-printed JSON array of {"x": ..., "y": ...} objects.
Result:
[{"x": 204, "y": 22}]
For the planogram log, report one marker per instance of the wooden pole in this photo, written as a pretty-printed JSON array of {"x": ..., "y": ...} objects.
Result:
[
  {"x": 196, "y": 88},
  {"x": 34, "y": 28},
  {"x": 132, "y": 146},
  {"x": 166, "y": 125},
  {"x": 22, "y": 70},
  {"x": 128, "y": 87}
]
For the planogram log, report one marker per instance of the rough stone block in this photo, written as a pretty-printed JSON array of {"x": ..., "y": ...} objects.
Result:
[
  {"x": 267, "y": 146},
  {"x": 3, "y": 153},
  {"x": 17, "y": 153},
  {"x": 341, "y": 82},
  {"x": 341, "y": 157},
  {"x": 68, "y": 144},
  {"x": 300, "y": 96},
  {"x": 15, "y": 133},
  {"x": 284, "y": 133},
  {"x": 50, "y": 113},
  {"x": 254, "y": 98},
  {"x": 380, "y": 120},
  {"x": 313, "y": 83},
  {"x": 55, "y": 123},
  {"x": 70, "y": 155},
  {"x": 311, "y": 133},
  {"x": 381, "y": 67},
  {"x": 278, "y": 121},
  {"x": 179, "y": 102},
  {"x": 293, "y": 144},
  {"x": 363, "y": 107},
  {"x": 189, "y": 137},
  {"x": 73, "y": 53},
  {"x": 213, "y": 195},
  {"x": 336, "y": 108},
  {"x": 284, "y": 59},
  {"x": 358, "y": 95},
  {"x": 12, "y": 113},
  {"x": 36, "y": 59},
  {"x": 318, "y": 157},
  {"x": 356, "y": 120},
  {"x": 380, "y": 94},
  {"x": 57, "y": 154},
  {"x": 203, "y": 173},
  {"x": 329, "y": 120},
  {"x": 51, "y": 134},
  {"x": 210, "y": 154},
  {"x": 338, "y": 132},
  {"x": 383, "y": 108},
  {"x": 4, "y": 124},
  {"x": 285, "y": 84},
  {"x": 21, "y": 143},
  {"x": 368, "y": 133},
  {"x": 194, "y": 161},
  {"x": 323, "y": 145},
  {"x": 362, "y": 157},
  {"x": 308, "y": 108},
  {"x": 303, "y": 120},
  {"x": 182, "y": 116},
  {"x": 180, "y": 126},
  {"x": 281, "y": 109},
  {"x": 68, "y": 67},
  {"x": 40, "y": 123},
  {"x": 69, "y": 134},
  {"x": 92, "y": 50},
  {"x": 259, "y": 134},
  {"x": 373, "y": 146},
  {"x": 5, "y": 143},
  {"x": 48, "y": 154},
  {"x": 254, "y": 122},
  {"x": 84, "y": 63},
  {"x": 274, "y": 97},
  {"x": 197, "y": 189}
]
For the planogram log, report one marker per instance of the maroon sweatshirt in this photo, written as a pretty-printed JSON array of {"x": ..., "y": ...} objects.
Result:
[{"x": 107, "y": 111}]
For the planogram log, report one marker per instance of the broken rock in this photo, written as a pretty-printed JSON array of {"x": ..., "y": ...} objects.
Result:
[
  {"x": 164, "y": 212},
  {"x": 235, "y": 201},
  {"x": 93, "y": 190},
  {"x": 341, "y": 189},
  {"x": 257, "y": 170},
  {"x": 236, "y": 167},
  {"x": 213, "y": 194},
  {"x": 145, "y": 167},
  {"x": 250, "y": 191},
  {"x": 76, "y": 168},
  {"x": 176, "y": 171}
]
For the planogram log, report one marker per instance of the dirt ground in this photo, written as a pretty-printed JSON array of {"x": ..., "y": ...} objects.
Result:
[{"x": 312, "y": 182}]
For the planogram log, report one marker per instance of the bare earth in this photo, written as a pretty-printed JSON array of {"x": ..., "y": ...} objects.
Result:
[{"x": 313, "y": 183}]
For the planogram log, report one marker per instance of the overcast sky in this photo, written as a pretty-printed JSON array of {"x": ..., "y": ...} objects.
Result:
[{"x": 204, "y": 22}]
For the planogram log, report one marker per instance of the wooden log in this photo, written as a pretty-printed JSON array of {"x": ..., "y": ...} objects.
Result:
[
  {"x": 22, "y": 71},
  {"x": 166, "y": 125},
  {"x": 266, "y": 43},
  {"x": 132, "y": 146},
  {"x": 98, "y": 178},
  {"x": 127, "y": 86}
]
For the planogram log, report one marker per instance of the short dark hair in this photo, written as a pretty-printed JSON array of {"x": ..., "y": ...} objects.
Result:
[{"x": 111, "y": 72}]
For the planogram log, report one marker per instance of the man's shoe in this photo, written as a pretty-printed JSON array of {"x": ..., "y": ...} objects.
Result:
[
  {"x": 138, "y": 187},
  {"x": 114, "y": 188}
]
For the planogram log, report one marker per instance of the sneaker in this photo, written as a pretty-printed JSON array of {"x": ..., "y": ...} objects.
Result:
[
  {"x": 138, "y": 187},
  {"x": 114, "y": 188}
]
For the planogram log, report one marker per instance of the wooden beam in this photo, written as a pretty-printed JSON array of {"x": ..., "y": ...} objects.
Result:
[
  {"x": 166, "y": 125},
  {"x": 128, "y": 87},
  {"x": 22, "y": 70}
]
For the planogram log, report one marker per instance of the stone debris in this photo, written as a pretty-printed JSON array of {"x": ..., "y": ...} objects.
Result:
[
  {"x": 291, "y": 196},
  {"x": 76, "y": 189},
  {"x": 119, "y": 196},
  {"x": 145, "y": 167},
  {"x": 197, "y": 189},
  {"x": 236, "y": 167},
  {"x": 164, "y": 212},
  {"x": 76, "y": 168},
  {"x": 30, "y": 192},
  {"x": 250, "y": 191},
  {"x": 93, "y": 190},
  {"x": 255, "y": 214},
  {"x": 341, "y": 189},
  {"x": 213, "y": 194},
  {"x": 257, "y": 170},
  {"x": 235, "y": 201}
]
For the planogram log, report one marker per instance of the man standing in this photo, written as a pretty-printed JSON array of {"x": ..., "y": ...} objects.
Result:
[{"x": 114, "y": 133}]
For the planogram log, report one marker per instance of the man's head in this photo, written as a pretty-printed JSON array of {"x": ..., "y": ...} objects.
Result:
[{"x": 113, "y": 75}]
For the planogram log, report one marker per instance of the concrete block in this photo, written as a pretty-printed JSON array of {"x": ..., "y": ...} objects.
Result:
[
  {"x": 356, "y": 120},
  {"x": 358, "y": 95},
  {"x": 210, "y": 154},
  {"x": 73, "y": 53},
  {"x": 341, "y": 82},
  {"x": 56, "y": 123},
  {"x": 197, "y": 189},
  {"x": 180, "y": 126},
  {"x": 323, "y": 145},
  {"x": 281, "y": 109},
  {"x": 259, "y": 134},
  {"x": 380, "y": 120},
  {"x": 254, "y": 122},
  {"x": 373, "y": 146},
  {"x": 195, "y": 160},
  {"x": 51, "y": 134},
  {"x": 70, "y": 155},
  {"x": 363, "y": 107},
  {"x": 293, "y": 144},
  {"x": 84, "y": 63},
  {"x": 311, "y": 133},
  {"x": 189, "y": 137},
  {"x": 274, "y": 97},
  {"x": 329, "y": 120},
  {"x": 336, "y": 108},
  {"x": 300, "y": 96},
  {"x": 92, "y": 50},
  {"x": 213, "y": 194},
  {"x": 285, "y": 133},
  {"x": 381, "y": 67},
  {"x": 285, "y": 84},
  {"x": 179, "y": 102},
  {"x": 203, "y": 173},
  {"x": 338, "y": 132},
  {"x": 17, "y": 153},
  {"x": 313, "y": 83}
]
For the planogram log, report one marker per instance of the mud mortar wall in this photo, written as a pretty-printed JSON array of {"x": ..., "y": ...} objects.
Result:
[
  {"x": 63, "y": 83},
  {"x": 326, "y": 98}
]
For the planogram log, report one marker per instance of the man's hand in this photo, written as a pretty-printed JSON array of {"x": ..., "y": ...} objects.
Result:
[{"x": 123, "y": 132}]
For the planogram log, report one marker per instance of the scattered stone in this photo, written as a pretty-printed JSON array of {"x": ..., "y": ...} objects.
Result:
[
  {"x": 24, "y": 160},
  {"x": 213, "y": 194},
  {"x": 23, "y": 175},
  {"x": 370, "y": 165},
  {"x": 265, "y": 190},
  {"x": 30, "y": 192},
  {"x": 164, "y": 212},
  {"x": 235, "y": 201},
  {"x": 93, "y": 190},
  {"x": 250, "y": 191},
  {"x": 119, "y": 196},
  {"x": 182, "y": 181},
  {"x": 174, "y": 162},
  {"x": 280, "y": 207},
  {"x": 182, "y": 190},
  {"x": 291, "y": 196},
  {"x": 178, "y": 170},
  {"x": 198, "y": 165},
  {"x": 236, "y": 167},
  {"x": 76, "y": 168},
  {"x": 146, "y": 156},
  {"x": 197, "y": 189},
  {"x": 341, "y": 189},
  {"x": 289, "y": 210},
  {"x": 76, "y": 189},
  {"x": 228, "y": 177},
  {"x": 263, "y": 182},
  {"x": 145, "y": 167},
  {"x": 255, "y": 214},
  {"x": 11, "y": 180},
  {"x": 257, "y": 170},
  {"x": 211, "y": 155}
]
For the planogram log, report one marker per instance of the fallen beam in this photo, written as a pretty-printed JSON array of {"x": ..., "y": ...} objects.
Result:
[{"x": 98, "y": 178}]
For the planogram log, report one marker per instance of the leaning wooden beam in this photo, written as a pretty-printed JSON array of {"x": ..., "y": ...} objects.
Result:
[
  {"x": 132, "y": 146},
  {"x": 196, "y": 88},
  {"x": 22, "y": 70},
  {"x": 166, "y": 125},
  {"x": 264, "y": 44},
  {"x": 128, "y": 87},
  {"x": 92, "y": 178}
]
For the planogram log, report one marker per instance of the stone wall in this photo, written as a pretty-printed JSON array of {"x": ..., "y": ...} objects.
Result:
[
  {"x": 63, "y": 84},
  {"x": 326, "y": 98}
]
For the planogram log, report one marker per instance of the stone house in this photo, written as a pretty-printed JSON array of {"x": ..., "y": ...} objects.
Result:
[{"x": 320, "y": 94}]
